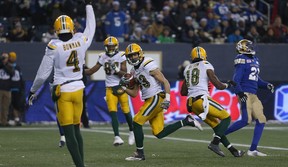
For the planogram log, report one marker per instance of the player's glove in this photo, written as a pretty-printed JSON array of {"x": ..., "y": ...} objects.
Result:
[
  {"x": 115, "y": 67},
  {"x": 88, "y": 2},
  {"x": 165, "y": 104},
  {"x": 31, "y": 97},
  {"x": 271, "y": 87},
  {"x": 123, "y": 82},
  {"x": 242, "y": 96},
  {"x": 231, "y": 83}
]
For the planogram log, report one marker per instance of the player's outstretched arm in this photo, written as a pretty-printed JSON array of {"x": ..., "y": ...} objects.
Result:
[{"x": 90, "y": 22}]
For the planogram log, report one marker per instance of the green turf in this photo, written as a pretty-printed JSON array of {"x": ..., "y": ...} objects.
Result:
[{"x": 37, "y": 146}]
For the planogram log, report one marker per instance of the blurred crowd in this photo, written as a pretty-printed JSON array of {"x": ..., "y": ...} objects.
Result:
[{"x": 151, "y": 21}]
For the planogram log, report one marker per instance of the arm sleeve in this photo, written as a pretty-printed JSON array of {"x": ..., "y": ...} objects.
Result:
[
  {"x": 237, "y": 77},
  {"x": 44, "y": 70},
  {"x": 262, "y": 84},
  {"x": 90, "y": 24}
]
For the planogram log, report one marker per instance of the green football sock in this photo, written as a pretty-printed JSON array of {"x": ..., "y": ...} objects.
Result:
[
  {"x": 72, "y": 145},
  {"x": 139, "y": 135},
  {"x": 115, "y": 123},
  {"x": 225, "y": 141},
  {"x": 79, "y": 140},
  {"x": 129, "y": 121},
  {"x": 169, "y": 129},
  {"x": 222, "y": 127}
]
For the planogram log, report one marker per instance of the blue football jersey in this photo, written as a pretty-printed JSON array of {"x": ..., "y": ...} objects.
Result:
[{"x": 246, "y": 74}]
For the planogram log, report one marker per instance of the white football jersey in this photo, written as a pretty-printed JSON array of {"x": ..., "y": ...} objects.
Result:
[
  {"x": 67, "y": 58},
  {"x": 111, "y": 78},
  {"x": 197, "y": 79},
  {"x": 149, "y": 85}
]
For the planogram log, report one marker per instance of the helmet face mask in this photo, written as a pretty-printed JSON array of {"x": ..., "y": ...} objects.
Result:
[
  {"x": 134, "y": 54},
  {"x": 64, "y": 24},
  {"x": 198, "y": 53},
  {"x": 111, "y": 45},
  {"x": 245, "y": 46}
]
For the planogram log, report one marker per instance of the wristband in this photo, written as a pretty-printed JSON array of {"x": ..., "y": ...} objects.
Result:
[
  {"x": 167, "y": 96},
  {"x": 226, "y": 85}
]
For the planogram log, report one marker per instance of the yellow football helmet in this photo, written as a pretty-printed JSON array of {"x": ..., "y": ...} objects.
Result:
[
  {"x": 130, "y": 51},
  {"x": 198, "y": 53},
  {"x": 111, "y": 45},
  {"x": 245, "y": 46},
  {"x": 64, "y": 24}
]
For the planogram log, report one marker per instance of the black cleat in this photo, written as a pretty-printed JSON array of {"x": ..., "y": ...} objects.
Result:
[
  {"x": 215, "y": 148},
  {"x": 238, "y": 153},
  {"x": 191, "y": 121},
  {"x": 136, "y": 157}
]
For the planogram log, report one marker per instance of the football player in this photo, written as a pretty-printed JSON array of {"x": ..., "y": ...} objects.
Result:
[
  {"x": 66, "y": 56},
  {"x": 114, "y": 64},
  {"x": 197, "y": 77},
  {"x": 246, "y": 75},
  {"x": 149, "y": 80}
]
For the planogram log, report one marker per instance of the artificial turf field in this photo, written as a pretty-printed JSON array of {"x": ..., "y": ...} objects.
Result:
[{"x": 37, "y": 146}]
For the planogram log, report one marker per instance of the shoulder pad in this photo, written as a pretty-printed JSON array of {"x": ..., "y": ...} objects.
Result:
[
  {"x": 147, "y": 62},
  {"x": 206, "y": 62},
  {"x": 122, "y": 53},
  {"x": 52, "y": 45},
  {"x": 101, "y": 54},
  {"x": 239, "y": 61}
]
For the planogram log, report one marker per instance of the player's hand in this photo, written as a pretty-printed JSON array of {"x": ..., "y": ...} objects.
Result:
[
  {"x": 231, "y": 83},
  {"x": 123, "y": 81},
  {"x": 165, "y": 104},
  {"x": 271, "y": 87},
  {"x": 31, "y": 97},
  {"x": 242, "y": 96},
  {"x": 115, "y": 67},
  {"x": 88, "y": 2}
]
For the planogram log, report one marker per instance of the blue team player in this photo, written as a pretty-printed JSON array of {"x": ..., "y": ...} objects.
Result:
[
  {"x": 116, "y": 23},
  {"x": 246, "y": 75}
]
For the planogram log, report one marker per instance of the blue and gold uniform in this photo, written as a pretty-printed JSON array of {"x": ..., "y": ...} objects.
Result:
[{"x": 246, "y": 75}]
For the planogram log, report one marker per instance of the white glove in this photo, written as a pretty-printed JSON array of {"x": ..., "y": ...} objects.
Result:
[
  {"x": 115, "y": 67},
  {"x": 271, "y": 87},
  {"x": 31, "y": 97}
]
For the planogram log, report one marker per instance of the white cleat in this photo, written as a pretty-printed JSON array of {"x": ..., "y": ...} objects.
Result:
[
  {"x": 191, "y": 121},
  {"x": 256, "y": 153},
  {"x": 62, "y": 141},
  {"x": 131, "y": 139},
  {"x": 117, "y": 141}
]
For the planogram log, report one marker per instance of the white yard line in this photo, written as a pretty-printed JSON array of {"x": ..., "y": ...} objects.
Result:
[{"x": 107, "y": 130}]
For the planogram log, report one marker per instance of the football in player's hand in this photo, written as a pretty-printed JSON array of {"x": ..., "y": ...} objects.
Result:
[{"x": 129, "y": 80}]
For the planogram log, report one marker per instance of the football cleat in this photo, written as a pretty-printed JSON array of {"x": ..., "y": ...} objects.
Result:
[
  {"x": 256, "y": 153},
  {"x": 191, "y": 121},
  {"x": 238, "y": 153},
  {"x": 131, "y": 139},
  {"x": 62, "y": 141},
  {"x": 117, "y": 141},
  {"x": 136, "y": 157},
  {"x": 215, "y": 148}
]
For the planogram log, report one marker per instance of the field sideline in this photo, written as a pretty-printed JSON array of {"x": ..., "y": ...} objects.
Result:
[{"x": 36, "y": 146}]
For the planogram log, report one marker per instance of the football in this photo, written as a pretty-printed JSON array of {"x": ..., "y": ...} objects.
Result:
[{"x": 131, "y": 81}]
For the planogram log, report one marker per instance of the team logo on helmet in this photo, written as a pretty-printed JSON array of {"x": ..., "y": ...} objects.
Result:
[{"x": 245, "y": 46}]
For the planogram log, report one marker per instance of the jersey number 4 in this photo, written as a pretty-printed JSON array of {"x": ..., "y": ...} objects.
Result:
[{"x": 73, "y": 61}]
